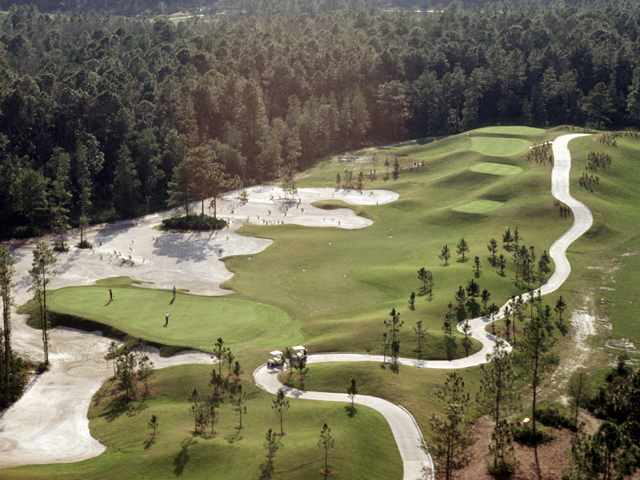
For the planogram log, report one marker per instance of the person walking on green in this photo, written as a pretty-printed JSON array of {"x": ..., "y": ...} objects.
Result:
[
  {"x": 166, "y": 318},
  {"x": 110, "y": 295}
]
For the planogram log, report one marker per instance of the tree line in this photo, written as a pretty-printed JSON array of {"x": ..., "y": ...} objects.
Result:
[{"x": 96, "y": 110}]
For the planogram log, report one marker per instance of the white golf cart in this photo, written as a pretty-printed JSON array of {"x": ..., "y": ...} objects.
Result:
[{"x": 276, "y": 359}]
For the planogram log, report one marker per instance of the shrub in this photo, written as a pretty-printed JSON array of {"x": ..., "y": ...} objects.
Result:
[
  {"x": 524, "y": 435},
  {"x": 84, "y": 244},
  {"x": 551, "y": 416},
  {"x": 193, "y": 222}
]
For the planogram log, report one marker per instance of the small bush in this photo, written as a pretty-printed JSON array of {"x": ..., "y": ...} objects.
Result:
[
  {"x": 59, "y": 246},
  {"x": 502, "y": 469},
  {"x": 193, "y": 222},
  {"x": 551, "y": 416},
  {"x": 84, "y": 244},
  {"x": 524, "y": 435}
]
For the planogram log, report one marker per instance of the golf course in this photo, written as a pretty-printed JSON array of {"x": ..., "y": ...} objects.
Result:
[{"x": 324, "y": 271}]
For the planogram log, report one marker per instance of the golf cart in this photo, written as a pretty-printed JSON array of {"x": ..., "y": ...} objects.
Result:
[
  {"x": 277, "y": 359},
  {"x": 300, "y": 353}
]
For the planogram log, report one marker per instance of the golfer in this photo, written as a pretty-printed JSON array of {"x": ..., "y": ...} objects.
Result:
[
  {"x": 110, "y": 295},
  {"x": 166, "y": 318}
]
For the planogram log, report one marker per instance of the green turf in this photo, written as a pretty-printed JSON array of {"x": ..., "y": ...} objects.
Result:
[
  {"x": 495, "y": 168},
  {"x": 194, "y": 321},
  {"x": 478, "y": 206},
  {"x": 499, "y": 146},
  {"x": 506, "y": 130},
  {"x": 410, "y": 387},
  {"x": 231, "y": 454}
]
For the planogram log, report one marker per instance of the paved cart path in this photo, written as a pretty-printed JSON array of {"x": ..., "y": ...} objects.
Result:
[{"x": 405, "y": 429}]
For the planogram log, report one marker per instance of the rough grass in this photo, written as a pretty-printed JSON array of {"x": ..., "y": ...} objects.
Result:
[
  {"x": 506, "y": 130},
  {"x": 606, "y": 261},
  {"x": 499, "y": 146},
  {"x": 495, "y": 168},
  {"x": 478, "y": 206}
]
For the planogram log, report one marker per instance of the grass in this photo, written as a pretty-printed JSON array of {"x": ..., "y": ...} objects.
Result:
[
  {"x": 411, "y": 387},
  {"x": 499, "y": 146},
  {"x": 232, "y": 453},
  {"x": 506, "y": 130},
  {"x": 194, "y": 321},
  {"x": 605, "y": 262},
  {"x": 495, "y": 168},
  {"x": 331, "y": 289},
  {"x": 478, "y": 206}
]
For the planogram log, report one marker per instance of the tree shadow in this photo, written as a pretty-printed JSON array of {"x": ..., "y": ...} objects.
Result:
[
  {"x": 148, "y": 443},
  {"x": 395, "y": 368},
  {"x": 383, "y": 366},
  {"x": 266, "y": 470},
  {"x": 121, "y": 407},
  {"x": 466, "y": 343},
  {"x": 234, "y": 437},
  {"x": 562, "y": 328},
  {"x": 351, "y": 411},
  {"x": 182, "y": 458},
  {"x": 476, "y": 274},
  {"x": 450, "y": 346}
]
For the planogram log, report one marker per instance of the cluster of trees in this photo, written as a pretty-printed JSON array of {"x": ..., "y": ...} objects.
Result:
[
  {"x": 130, "y": 367},
  {"x": 12, "y": 377},
  {"x": 612, "y": 451},
  {"x": 96, "y": 111}
]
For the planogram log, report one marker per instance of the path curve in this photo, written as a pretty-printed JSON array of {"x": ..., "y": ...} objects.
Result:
[{"x": 404, "y": 427}]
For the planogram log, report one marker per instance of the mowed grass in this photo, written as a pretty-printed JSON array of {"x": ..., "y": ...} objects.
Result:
[
  {"x": 194, "y": 321},
  {"x": 499, "y": 146},
  {"x": 231, "y": 454},
  {"x": 413, "y": 388},
  {"x": 344, "y": 283},
  {"x": 495, "y": 168},
  {"x": 508, "y": 130},
  {"x": 478, "y": 206}
]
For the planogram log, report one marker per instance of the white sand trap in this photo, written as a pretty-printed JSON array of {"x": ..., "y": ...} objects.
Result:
[{"x": 49, "y": 423}]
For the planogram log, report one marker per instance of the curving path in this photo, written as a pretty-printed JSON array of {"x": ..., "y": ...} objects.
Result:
[{"x": 404, "y": 427}]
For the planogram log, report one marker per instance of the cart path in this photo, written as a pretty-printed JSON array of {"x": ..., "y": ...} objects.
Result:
[{"x": 404, "y": 427}]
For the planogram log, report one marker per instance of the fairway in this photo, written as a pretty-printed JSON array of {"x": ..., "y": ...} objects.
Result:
[
  {"x": 478, "y": 206},
  {"x": 511, "y": 130},
  {"x": 499, "y": 147},
  {"x": 495, "y": 169},
  {"x": 194, "y": 321}
]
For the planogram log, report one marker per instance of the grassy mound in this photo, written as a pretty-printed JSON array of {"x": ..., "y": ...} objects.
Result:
[
  {"x": 478, "y": 206},
  {"x": 506, "y": 130},
  {"x": 495, "y": 169},
  {"x": 499, "y": 147}
]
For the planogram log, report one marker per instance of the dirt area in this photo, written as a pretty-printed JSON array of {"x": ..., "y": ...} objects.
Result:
[{"x": 550, "y": 462}]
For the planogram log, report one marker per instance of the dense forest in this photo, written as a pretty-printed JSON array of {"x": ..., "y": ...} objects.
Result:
[{"x": 97, "y": 110}]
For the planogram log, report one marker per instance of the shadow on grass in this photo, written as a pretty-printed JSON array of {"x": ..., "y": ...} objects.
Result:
[
  {"x": 266, "y": 470},
  {"x": 148, "y": 443},
  {"x": 234, "y": 437},
  {"x": 120, "y": 407},
  {"x": 562, "y": 328},
  {"x": 351, "y": 410},
  {"x": 182, "y": 458},
  {"x": 172, "y": 300}
]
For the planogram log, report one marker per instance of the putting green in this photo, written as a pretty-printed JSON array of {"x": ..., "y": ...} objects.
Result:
[
  {"x": 495, "y": 169},
  {"x": 194, "y": 321},
  {"x": 511, "y": 130},
  {"x": 499, "y": 147},
  {"x": 478, "y": 206}
]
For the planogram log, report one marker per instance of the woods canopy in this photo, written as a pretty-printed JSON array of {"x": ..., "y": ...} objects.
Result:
[{"x": 126, "y": 99}]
